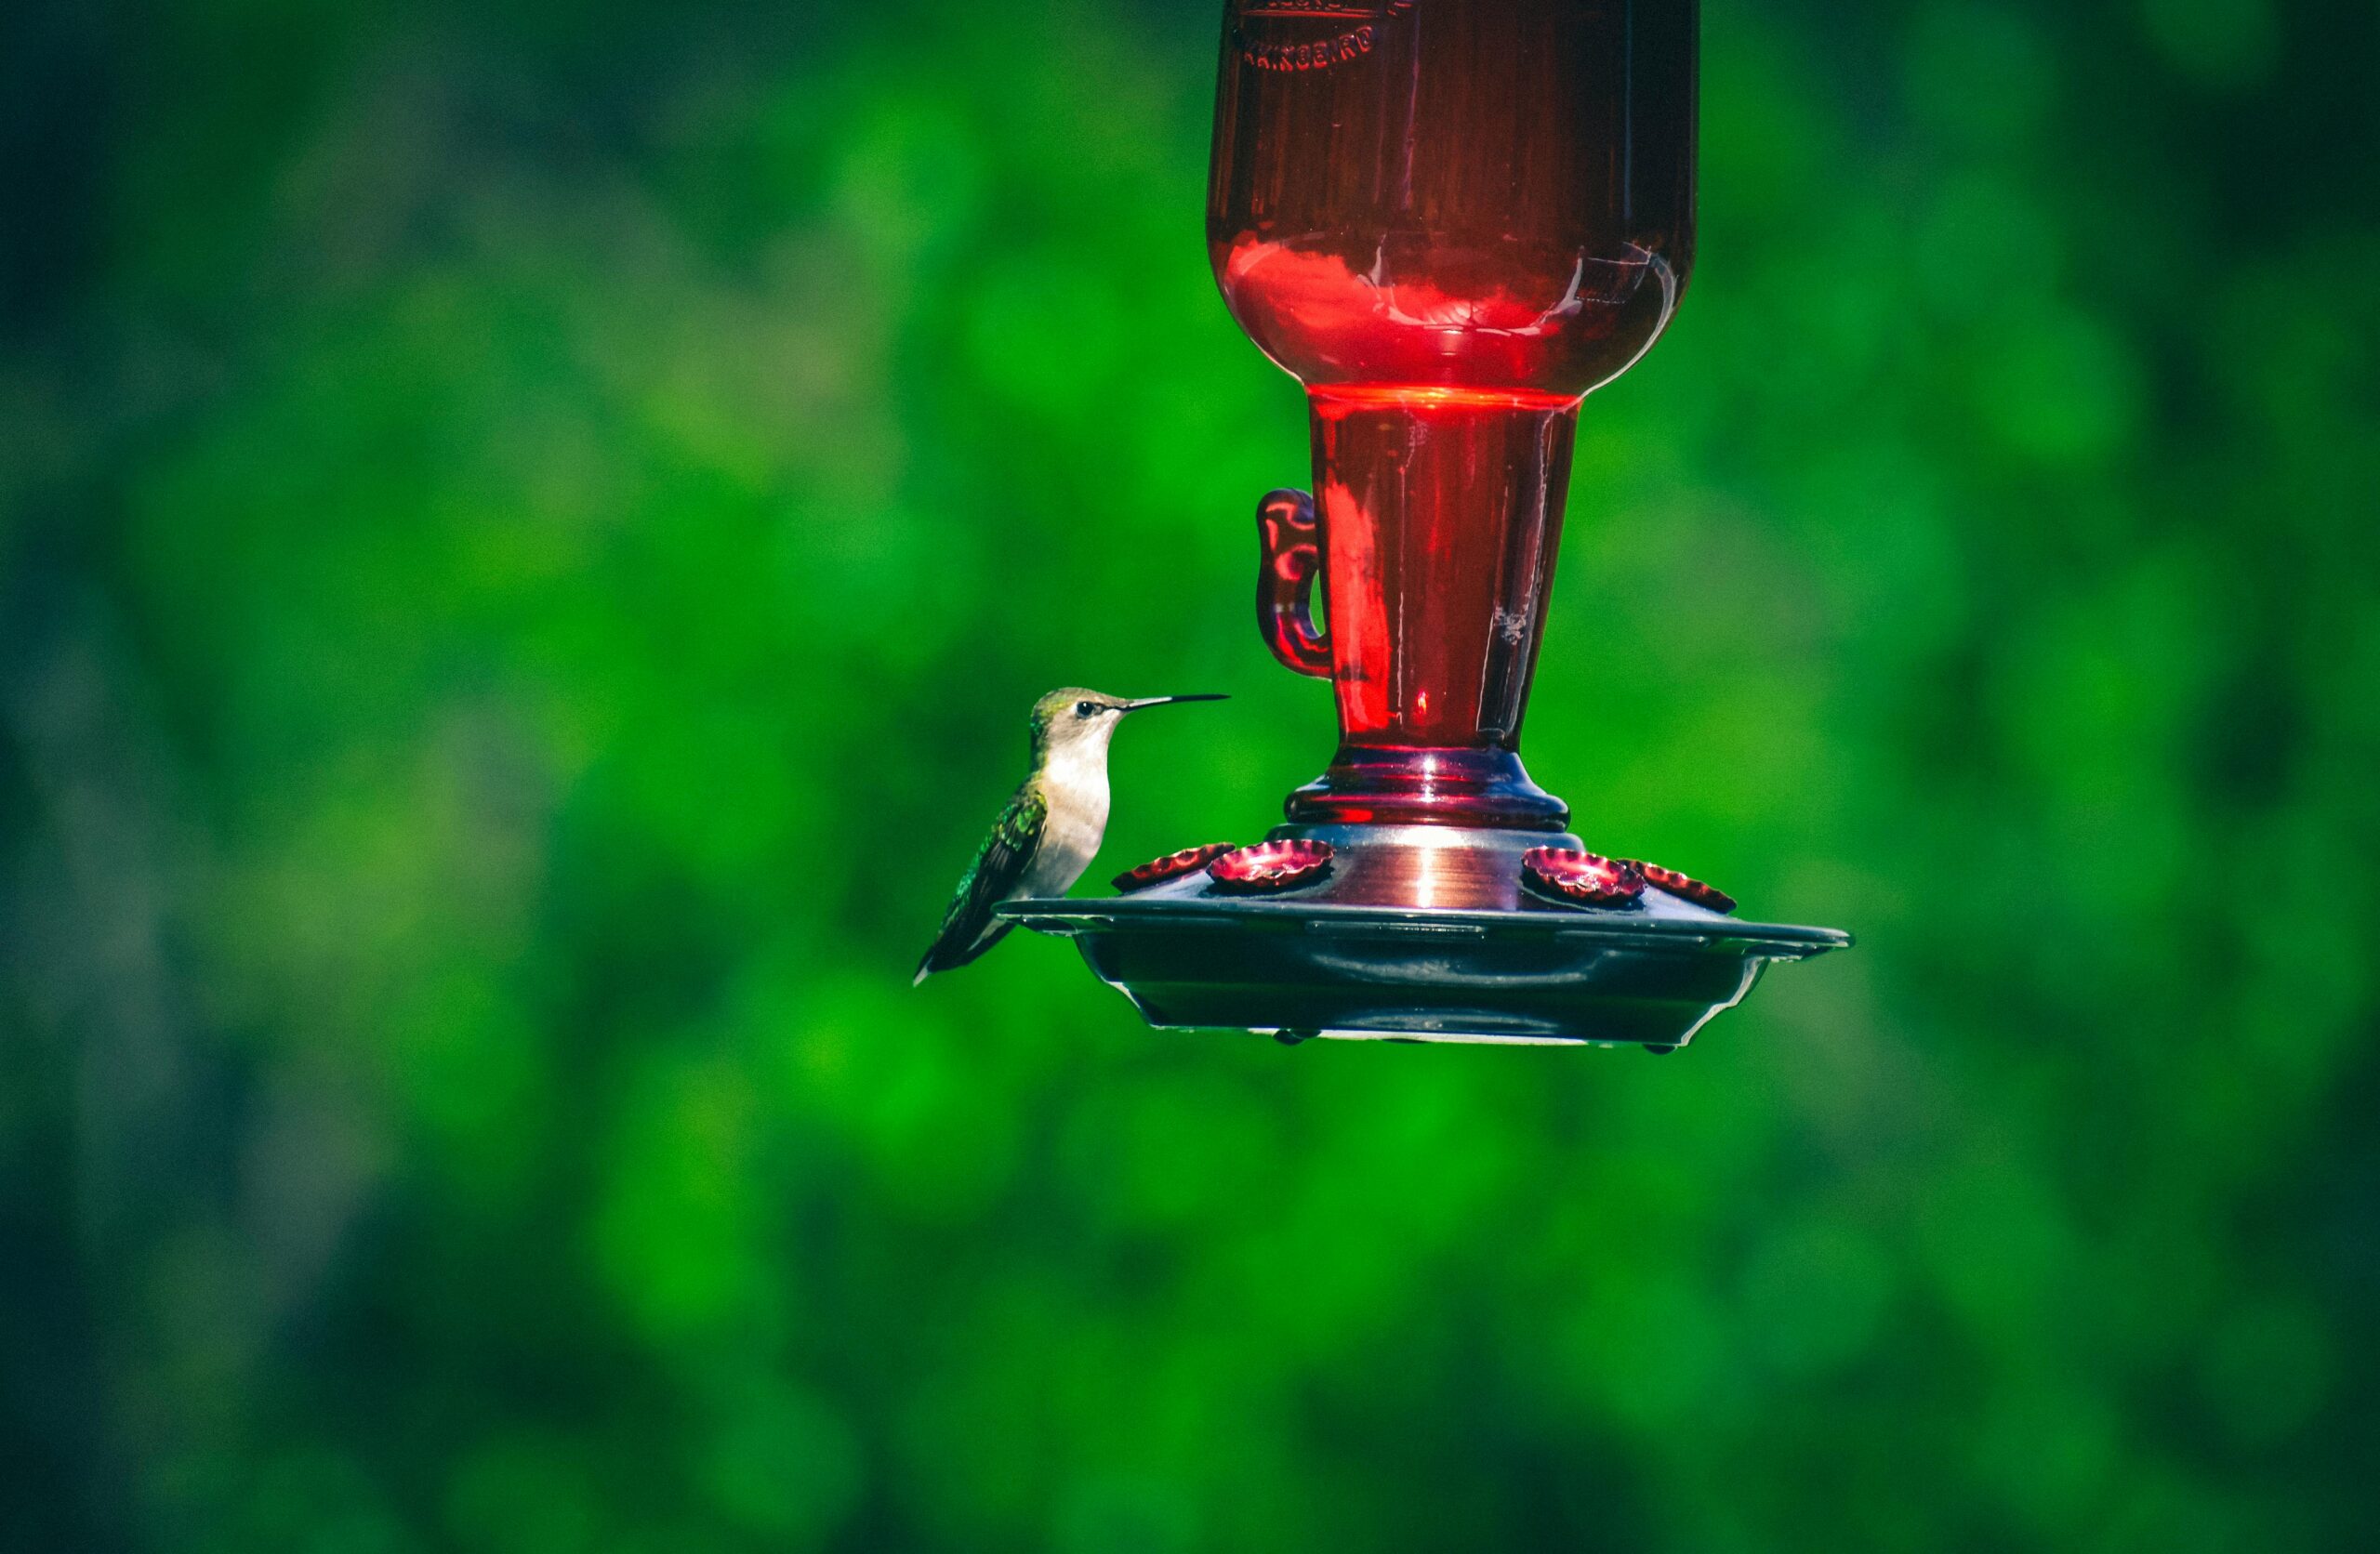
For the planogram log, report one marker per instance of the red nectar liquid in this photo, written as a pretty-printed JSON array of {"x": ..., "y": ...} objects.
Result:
[{"x": 1449, "y": 219}]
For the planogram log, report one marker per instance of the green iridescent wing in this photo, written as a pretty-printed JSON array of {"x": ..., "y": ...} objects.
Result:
[{"x": 968, "y": 929}]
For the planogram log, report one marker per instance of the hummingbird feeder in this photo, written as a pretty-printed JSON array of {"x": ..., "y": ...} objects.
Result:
[{"x": 1451, "y": 222}]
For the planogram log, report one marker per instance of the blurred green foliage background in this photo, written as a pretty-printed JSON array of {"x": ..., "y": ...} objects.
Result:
[{"x": 527, "y": 534}]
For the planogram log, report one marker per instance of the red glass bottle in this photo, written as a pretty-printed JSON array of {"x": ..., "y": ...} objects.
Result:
[{"x": 1449, "y": 219}]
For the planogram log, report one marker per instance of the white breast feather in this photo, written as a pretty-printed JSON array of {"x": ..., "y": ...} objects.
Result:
[{"x": 1076, "y": 786}]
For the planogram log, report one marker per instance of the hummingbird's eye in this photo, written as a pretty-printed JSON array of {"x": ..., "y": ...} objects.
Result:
[{"x": 1084, "y": 709}]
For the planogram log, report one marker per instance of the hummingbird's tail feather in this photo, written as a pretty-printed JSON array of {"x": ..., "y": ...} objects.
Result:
[{"x": 945, "y": 957}]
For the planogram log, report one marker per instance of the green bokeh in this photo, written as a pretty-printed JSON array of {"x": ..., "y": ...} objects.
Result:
[{"x": 527, "y": 533}]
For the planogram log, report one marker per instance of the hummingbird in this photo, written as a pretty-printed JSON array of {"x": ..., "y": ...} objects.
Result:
[{"x": 1051, "y": 829}]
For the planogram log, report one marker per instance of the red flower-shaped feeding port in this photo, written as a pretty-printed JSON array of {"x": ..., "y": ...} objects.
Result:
[
  {"x": 1684, "y": 886},
  {"x": 1271, "y": 866},
  {"x": 1581, "y": 878},
  {"x": 1174, "y": 865}
]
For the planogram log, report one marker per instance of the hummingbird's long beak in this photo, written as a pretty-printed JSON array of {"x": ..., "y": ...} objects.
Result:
[{"x": 1162, "y": 701}]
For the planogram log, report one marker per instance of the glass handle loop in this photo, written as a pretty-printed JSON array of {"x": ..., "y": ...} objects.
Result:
[{"x": 1290, "y": 535}]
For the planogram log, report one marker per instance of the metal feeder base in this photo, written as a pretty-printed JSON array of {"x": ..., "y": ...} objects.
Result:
[{"x": 1422, "y": 933}]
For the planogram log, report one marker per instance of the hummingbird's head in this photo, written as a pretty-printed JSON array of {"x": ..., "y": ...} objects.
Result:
[{"x": 1073, "y": 719}]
